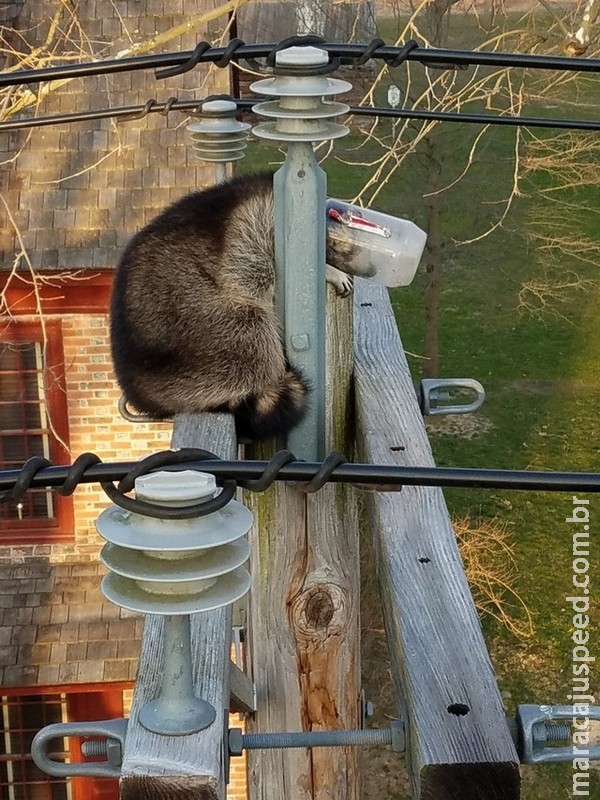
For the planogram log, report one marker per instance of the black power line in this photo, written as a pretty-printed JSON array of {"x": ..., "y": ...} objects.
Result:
[
  {"x": 303, "y": 471},
  {"x": 257, "y": 476},
  {"x": 153, "y": 106},
  {"x": 348, "y": 53}
]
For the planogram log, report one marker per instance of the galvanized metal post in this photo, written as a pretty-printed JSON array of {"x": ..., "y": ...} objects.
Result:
[{"x": 300, "y": 185}]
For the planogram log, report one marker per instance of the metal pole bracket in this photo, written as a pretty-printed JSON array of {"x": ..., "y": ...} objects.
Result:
[{"x": 540, "y": 725}]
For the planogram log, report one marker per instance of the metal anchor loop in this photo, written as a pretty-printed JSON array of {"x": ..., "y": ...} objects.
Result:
[
  {"x": 114, "y": 731},
  {"x": 435, "y": 392}
]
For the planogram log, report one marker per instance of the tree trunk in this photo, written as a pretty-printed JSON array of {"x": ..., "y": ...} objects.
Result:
[
  {"x": 433, "y": 264},
  {"x": 437, "y": 17}
]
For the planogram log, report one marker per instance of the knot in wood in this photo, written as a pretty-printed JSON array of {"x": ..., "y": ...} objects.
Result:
[
  {"x": 316, "y": 611},
  {"x": 319, "y": 609}
]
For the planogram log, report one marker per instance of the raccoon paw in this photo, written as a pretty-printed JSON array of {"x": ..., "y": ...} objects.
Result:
[{"x": 341, "y": 282}]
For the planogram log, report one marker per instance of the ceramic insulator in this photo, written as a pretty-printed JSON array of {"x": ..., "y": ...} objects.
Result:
[
  {"x": 301, "y": 114},
  {"x": 219, "y": 137},
  {"x": 160, "y": 566}
]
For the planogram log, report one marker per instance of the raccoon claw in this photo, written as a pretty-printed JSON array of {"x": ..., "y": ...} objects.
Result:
[
  {"x": 345, "y": 286},
  {"x": 341, "y": 282}
]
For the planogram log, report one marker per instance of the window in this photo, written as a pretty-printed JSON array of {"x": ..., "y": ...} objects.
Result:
[
  {"x": 33, "y": 422},
  {"x": 22, "y": 717}
]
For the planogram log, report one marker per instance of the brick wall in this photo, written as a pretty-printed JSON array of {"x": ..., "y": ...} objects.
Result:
[{"x": 94, "y": 425}]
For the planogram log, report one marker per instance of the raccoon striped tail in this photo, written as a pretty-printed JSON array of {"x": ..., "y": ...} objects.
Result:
[{"x": 277, "y": 410}]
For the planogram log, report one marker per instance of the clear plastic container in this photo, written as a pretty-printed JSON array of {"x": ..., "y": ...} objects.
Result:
[{"x": 383, "y": 248}]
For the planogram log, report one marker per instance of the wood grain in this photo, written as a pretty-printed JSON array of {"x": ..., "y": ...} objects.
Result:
[
  {"x": 459, "y": 745},
  {"x": 304, "y": 632}
]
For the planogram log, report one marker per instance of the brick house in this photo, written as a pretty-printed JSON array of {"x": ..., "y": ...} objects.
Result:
[{"x": 72, "y": 194}]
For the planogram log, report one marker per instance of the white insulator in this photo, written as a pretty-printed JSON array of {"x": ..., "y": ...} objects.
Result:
[
  {"x": 219, "y": 137},
  {"x": 162, "y": 566},
  {"x": 302, "y": 113}
]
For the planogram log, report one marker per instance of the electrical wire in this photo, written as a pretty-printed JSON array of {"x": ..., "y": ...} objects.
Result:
[
  {"x": 347, "y": 53},
  {"x": 129, "y": 113},
  {"x": 259, "y": 475}
]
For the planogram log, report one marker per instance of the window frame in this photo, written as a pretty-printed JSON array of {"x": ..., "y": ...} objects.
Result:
[
  {"x": 80, "y": 702},
  {"x": 16, "y": 767},
  {"x": 49, "y": 335}
]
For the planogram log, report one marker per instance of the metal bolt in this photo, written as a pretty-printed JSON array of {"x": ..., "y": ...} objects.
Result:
[
  {"x": 110, "y": 743},
  {"x": 551, "y": 732},
  {"x": 366, "y": 709},
  {"x": 239, "y": 741},
  {"x": 537, "y": 725},
  {"x": 110, "y": 748},
  {"x": 301, "y": 341}
]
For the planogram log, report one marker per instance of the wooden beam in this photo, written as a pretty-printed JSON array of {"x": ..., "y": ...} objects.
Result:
[
  {"x": 458, "y": 742},
  {"x": 184, "y": 767},
  {"x": 241, "y": 690},
  {"x": 303, "y": 624}
]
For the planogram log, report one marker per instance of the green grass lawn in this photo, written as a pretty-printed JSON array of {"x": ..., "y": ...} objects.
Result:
[{"x": 542, "y": 378}]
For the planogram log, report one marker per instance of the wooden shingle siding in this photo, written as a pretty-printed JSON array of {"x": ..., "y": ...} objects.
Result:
[
  {"x": 77, "y": 192},
  {"x": 56, "y": 627}
]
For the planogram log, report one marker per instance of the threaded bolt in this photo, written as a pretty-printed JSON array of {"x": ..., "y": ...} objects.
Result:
[
  {"x": 92, "y": 748},
  {"x": 108, "y": 748},
  {"x": 551, "y": 732},
  {"x": 239, "y": 741}
]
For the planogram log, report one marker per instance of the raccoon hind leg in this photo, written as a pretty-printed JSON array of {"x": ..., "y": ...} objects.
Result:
[{"x": 276, "y": 410}]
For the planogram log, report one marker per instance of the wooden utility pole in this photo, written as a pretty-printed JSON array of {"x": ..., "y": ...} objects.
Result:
[{"x": 304, "y": 617}]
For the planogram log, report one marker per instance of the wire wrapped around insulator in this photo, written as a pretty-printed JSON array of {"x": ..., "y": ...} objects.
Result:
[
  {"x": 201, "y": 48},
  {"x": 23, "y": 482},
  {"x": 33, "y": 465},
  {"x": 171, "y": 72},
  {"x": 73, "y": 479},
  {"x": 402, "y": 55},
  {"x": 310, "y": 40},
  {"x": 283, "y": 457},
  {"x": 230, "y": 51},
  {"x": 164, "y": 460},
  {"x": 370, "y": 50}
]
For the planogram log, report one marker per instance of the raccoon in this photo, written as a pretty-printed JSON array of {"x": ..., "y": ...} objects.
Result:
[{"x": 193, "y": 324}]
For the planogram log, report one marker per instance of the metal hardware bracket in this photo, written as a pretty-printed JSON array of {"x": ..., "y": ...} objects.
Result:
[
  {"x": 433, "y": 391},
  {"x": 113, "y": 729}
]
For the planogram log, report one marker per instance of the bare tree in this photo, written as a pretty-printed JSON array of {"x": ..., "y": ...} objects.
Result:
[{"x": 568, "y": 157}]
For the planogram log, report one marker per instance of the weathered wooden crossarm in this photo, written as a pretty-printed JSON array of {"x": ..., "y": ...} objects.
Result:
[
  {"x": 184, "y": 767},
  {"x": 459, "y": 746},
  {"x": 242, "y": 691}
]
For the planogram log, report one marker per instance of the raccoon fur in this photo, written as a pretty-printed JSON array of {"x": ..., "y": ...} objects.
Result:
[{"x": 193, "y": 323}]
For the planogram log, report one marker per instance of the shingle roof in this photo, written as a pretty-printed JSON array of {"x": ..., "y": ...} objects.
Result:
[
  {"x": 78, "y": 191},
  {"x": 56, "y": 627}
]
